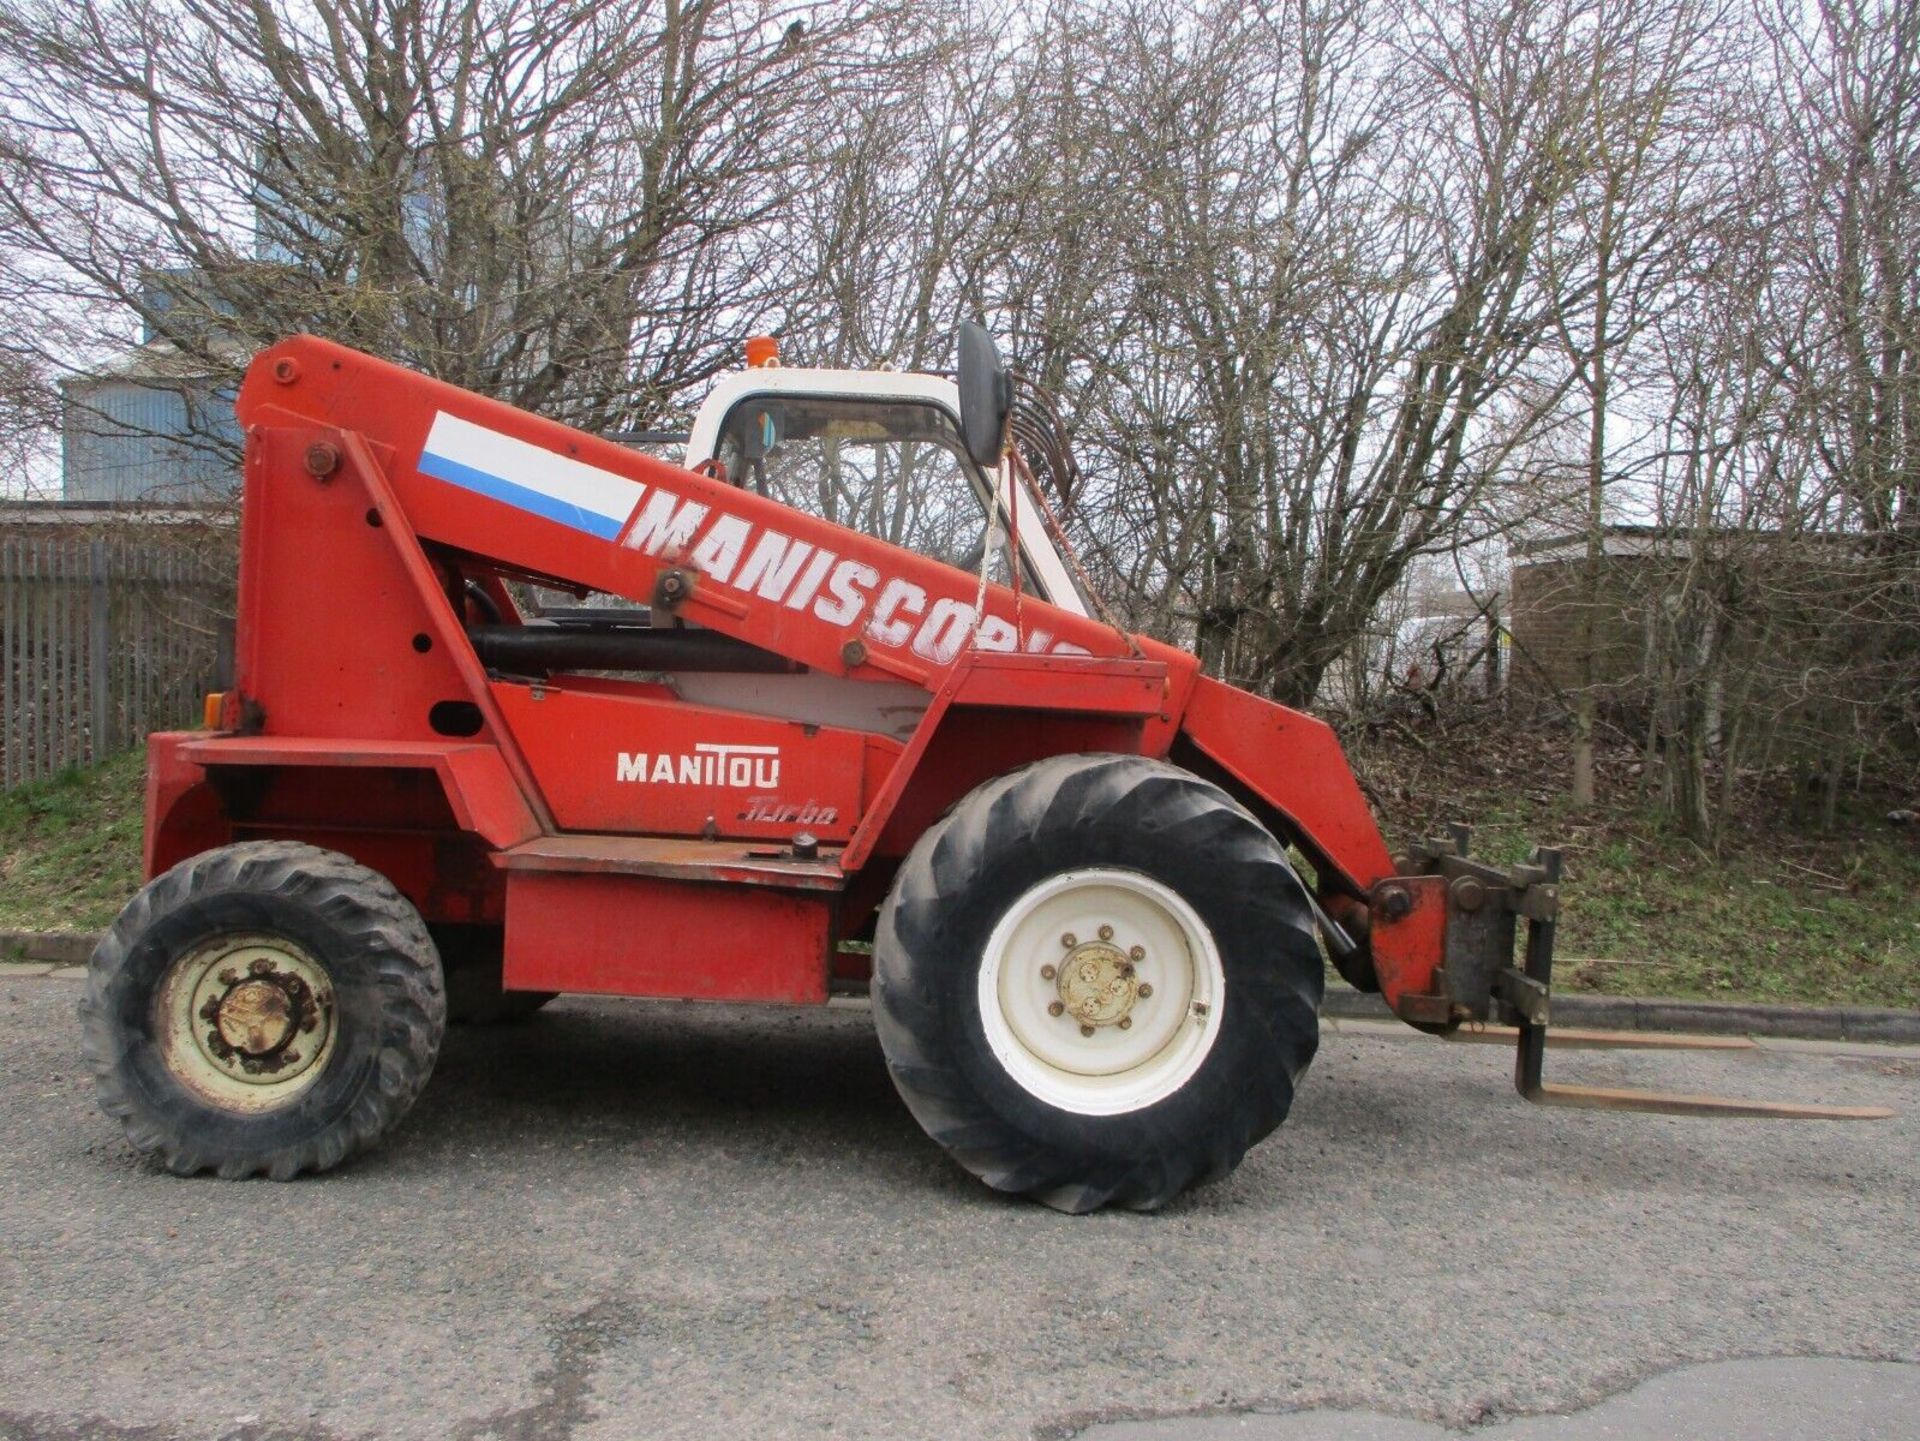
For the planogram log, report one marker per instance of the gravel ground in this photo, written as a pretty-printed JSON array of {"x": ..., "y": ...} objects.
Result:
[{"x": 672, "y": 1221}]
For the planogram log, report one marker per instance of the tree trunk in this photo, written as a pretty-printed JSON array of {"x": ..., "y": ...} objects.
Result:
[{"x": 1586, "y": 705}]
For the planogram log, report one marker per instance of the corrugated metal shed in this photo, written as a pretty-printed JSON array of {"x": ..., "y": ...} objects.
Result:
[{"x": 144, "y": 431}]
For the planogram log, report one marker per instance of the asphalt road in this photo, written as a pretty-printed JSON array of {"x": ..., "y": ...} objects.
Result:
[
  {"x": 669, "y": 1221},
  {"x": 1782, "y": 1398}
]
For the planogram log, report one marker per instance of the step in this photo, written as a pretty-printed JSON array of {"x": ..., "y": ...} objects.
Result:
[{"x": 753, "y": 863}]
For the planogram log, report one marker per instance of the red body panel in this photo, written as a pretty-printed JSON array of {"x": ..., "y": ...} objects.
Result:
[
  {"x": 965, "y": 737},
  {"x": 631, "y": 763},
  {"x": 642, "y": 936},
  {"x": 485, "y": 799},
  {"x": 1120, "y": 688},
  {"x": 379, "y": 503},
  {"x": 183, "y": 813},
  {"x": 1294, "y": 763},
  {"x": 1407, "y": 947}
]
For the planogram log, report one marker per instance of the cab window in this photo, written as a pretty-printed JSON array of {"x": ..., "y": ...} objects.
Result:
[{"x": 893, "y": 469}]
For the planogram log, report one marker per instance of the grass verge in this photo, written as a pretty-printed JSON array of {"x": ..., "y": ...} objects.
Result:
[
  {"x": 1787, "y": 913},
  {"x": 1645, "y": 913},
  {"x": 70, "y": 847}
]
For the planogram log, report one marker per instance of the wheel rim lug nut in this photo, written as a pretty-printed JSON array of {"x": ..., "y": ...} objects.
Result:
[
  {"x": 1056, "y": 1009},
  {"x": 1047, "y": 973},
  {"x": 1138, "y": 953},
  {"x": 1069, "y": 940},
  {"x": 1126, "y": 1023},
  {"x": 1086, "y": 1030},
  {"x": 1146, "y": 989},
  {"x": 1106, "y": 933}
]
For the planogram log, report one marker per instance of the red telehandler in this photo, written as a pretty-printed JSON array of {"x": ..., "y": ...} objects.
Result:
[{"x": 841, "y": 714}]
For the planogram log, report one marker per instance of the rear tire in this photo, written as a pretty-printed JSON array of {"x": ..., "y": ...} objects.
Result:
[
  {"x": 1096, "y": 980},
  {"x": 264, "y": 1007}
]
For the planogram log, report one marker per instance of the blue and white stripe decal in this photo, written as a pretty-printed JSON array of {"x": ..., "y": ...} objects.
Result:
[{"x": 527, "y": 477}]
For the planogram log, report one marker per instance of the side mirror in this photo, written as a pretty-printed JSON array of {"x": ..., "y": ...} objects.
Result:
[{"x": 986, "y": 396}]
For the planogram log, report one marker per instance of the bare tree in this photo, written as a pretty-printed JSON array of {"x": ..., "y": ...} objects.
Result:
[
  {"x": 28, "y": 419},
  {"x": 1335, "y": 293},
  {"x": 566, "y": 205},
  {"x": 1849, "y": 89},
  {"x": 899, "y": 227},
  {"x": 1325, "y": 349},
  {"x": 1619, "y": 256},
  {"x": 1783, "y": 636}
]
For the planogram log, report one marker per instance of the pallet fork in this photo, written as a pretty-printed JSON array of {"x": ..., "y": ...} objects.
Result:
[{"x": 1486, "y": 906}]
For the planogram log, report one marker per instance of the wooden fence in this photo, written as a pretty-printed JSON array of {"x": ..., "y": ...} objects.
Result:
[{"x": 101, "y": 641}]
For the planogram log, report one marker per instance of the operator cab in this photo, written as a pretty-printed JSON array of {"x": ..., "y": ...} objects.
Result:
[{"x": 880, "y": 452}]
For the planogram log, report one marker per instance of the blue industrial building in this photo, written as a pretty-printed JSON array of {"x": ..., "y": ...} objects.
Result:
[{"x": 150, "y": 428}]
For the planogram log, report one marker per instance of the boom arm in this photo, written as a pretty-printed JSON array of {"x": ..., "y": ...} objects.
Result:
[{"x": 534, "y": 496}]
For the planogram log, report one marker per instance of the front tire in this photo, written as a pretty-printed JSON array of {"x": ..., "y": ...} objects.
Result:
[
  {"x": 1096, "y": 980},
  {"x": 263, "y": 1007}
]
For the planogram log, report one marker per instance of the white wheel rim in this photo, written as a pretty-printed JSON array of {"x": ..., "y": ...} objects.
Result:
[
  {"x": 1101, "y": 991},
  {"x": 246, "y": 1022}
]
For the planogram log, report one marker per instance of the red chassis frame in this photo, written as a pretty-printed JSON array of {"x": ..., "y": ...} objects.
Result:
[{"x": 596, "y": 819}]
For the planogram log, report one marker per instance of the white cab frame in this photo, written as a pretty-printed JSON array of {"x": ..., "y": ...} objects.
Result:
[{"x": 1044, "y": 562}]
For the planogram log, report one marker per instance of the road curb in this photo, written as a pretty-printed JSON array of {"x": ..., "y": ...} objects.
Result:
[
  {"x": 1708, "y": 1018},
  {"x": 57, "y": 948}
]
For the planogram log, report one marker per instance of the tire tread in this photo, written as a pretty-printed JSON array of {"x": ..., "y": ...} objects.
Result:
[
  {"x": 1070, "y": 798},
  {"x": 368, "y": 909}
]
